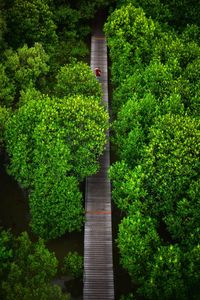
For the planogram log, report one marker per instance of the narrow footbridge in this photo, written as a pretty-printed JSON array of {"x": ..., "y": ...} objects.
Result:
[{"x": 98, "y": 260}]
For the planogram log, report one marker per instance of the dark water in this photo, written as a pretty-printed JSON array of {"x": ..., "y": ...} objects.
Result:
[{"x": 13, "y": 205}]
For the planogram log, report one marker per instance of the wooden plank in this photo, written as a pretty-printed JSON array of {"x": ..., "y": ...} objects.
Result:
[{"x": 98, "y": 260}]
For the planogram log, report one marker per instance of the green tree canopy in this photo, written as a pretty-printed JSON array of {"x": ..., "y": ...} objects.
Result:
[
  {"x": 131, "y": 36},
  {"x": 170, "y": 161},
  {"x": 164, "y": 188},
  {"x": 4, "y": 116},
  {"x": 137, "y": 240},
  {"x": 56, "y": 204},
  {"x": 176, "y": 13},
  {"x": 75, "y": 125},
  {"x": 155, "y": 78},
  {"x": 167, "y": 270},
  {"x": 77, "y": 78},
  {"x": 7, "y": 88},
  {"x": 23, "y": 277},
  {"x": 73, "y": 264},
  {"x": 29, "y": 22},
  {"x": 132, "y": 126},
  {"x": 22, "y": 69},
  {"x": 52, "y": 143}
]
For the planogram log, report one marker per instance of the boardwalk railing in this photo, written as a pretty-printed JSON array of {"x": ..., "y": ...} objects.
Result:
[{"x": 98, "y": 260}]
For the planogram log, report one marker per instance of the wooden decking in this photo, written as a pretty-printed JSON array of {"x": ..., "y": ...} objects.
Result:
[{"x": 98, "y": 261}]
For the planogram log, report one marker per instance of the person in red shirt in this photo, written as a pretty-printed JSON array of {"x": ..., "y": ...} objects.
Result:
[{"x": 98, "y": 73}]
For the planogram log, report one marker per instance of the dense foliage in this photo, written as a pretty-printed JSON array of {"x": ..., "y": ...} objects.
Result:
[
  {"x": 73, "y": 73},
  {"x": 21, "y": 274},
  {"x": 31, "y": 21},
  {"x": 53, "y": 142},
  {"x": 22, "y": 69},
  {"x": 177, "y": 13},
  {"x": 156, "y": 133},
  {"x": 52, "y": 123},
  {"x": 73, "y": 263},
  {"x": 162, "y": 201},
  {"x": 4, "y": 116},
  {"x": 52, "y": 128}
]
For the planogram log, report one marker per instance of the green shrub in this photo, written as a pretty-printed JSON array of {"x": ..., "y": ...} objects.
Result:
[
  {"x": 132, "y": 126},
  {"x": 26, "y": 67},
  {"x": 127, "y": 185},
  {"x": 159, "y": 239},
  {"x": 29, "y": 22},
  {"x": 128, "y": 297},
  {"x": 131, "y": 36},
  {"x": 73, "y": 263},
  {"x": 56, "y": 205},
  {"x": 171, "y": 161},
  {"x": 165, "y": 275},
  {"x": 30, "y": 269},
  {"x": 77, "y": 78},
  {"x": 7, "y": 88},
  {"x": 137, "y": 241},
  {"x": 4, "y": 116}
]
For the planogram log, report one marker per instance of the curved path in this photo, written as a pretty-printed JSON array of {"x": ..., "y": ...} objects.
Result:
[{"x": 98, "y": 261}]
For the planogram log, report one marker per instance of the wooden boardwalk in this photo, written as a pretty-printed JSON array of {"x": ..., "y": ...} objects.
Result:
[{"x": 98, "y": 260}]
